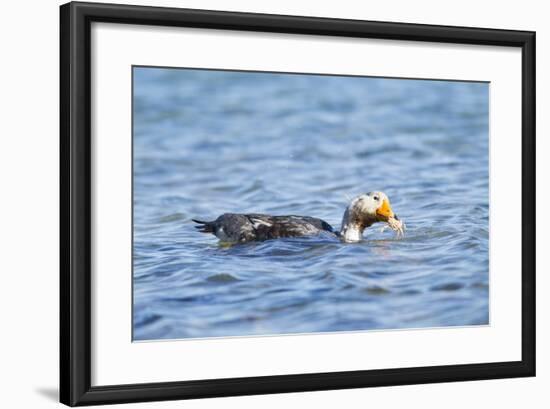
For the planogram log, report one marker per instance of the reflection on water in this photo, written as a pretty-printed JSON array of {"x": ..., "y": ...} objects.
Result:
[{"x": 209, "y": 142}]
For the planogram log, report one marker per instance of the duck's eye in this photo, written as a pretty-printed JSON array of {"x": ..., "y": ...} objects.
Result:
[{"x": 376, "y": 198}]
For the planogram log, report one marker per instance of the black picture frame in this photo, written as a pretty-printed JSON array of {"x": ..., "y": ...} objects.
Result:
[{"x": 76, "y": 199}]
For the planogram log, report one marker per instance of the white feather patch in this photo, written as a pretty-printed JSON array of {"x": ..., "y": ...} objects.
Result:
[{"x": 259, "y": 222}]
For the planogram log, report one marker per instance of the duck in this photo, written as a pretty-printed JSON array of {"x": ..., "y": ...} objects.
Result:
[{"x": 362, "y": 212}]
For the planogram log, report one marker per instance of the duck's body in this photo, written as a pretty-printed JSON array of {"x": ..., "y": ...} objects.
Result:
[
  {"x": 361, "y": 213},
  {"x": 239, "y": 228}
]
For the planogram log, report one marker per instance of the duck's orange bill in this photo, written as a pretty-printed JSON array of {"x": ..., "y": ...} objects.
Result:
[{"x": 385, "y": 210}]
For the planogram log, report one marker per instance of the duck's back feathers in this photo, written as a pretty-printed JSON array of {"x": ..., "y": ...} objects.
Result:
[{"x": 231, "y": 227}]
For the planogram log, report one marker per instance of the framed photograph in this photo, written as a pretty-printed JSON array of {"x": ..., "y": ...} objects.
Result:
[{"x": 259, "y": 204}]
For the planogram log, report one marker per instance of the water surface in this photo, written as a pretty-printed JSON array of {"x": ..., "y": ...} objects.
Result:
[{"x": 208, "y": 142}]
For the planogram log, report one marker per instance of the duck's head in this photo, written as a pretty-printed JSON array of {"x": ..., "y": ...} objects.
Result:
[
  {"x": 375, "y": 206},
  {"x": 365, "y": 210}
]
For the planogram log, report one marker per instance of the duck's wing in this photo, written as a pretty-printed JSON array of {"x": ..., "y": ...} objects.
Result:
[
  {"x": 231, "y": 227},
  {"x": 273, "y": 227}
]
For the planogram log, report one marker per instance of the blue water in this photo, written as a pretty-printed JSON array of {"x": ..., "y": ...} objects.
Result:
[{"x": 209, "y": 142}]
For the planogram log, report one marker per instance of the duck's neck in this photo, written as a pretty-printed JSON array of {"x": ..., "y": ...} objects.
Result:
[{"x": 352, "y": 226}]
